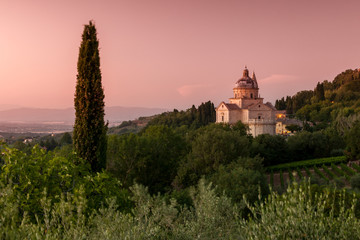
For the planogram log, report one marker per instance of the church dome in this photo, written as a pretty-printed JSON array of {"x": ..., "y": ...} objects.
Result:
[{"x": 245, "y": 81}]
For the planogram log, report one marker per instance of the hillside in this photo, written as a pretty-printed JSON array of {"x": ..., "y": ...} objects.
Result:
[{"x": 334, "y": 102}]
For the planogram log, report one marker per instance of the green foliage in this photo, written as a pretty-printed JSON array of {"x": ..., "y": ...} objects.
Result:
[
  {"x": 355, "y": 181},
  {"x": 320, "y": 173},
  {"x": 299, "y": 173},
  {"x": 346, "y": 169},
  {"x": 319, "y": 92},
  {"x": 300, "y": 214},
  {"x": 353, "y": 141},
  {"x": 66, "y": 139},
  {"x": 212, "y": 217},
  {"x": 330, "y": 174},
  {"x": 90, "y": 129},
  {"x": 282, "y": 182},
  {"x": 280, "y": 104},
  {"x": 339, "y": 172},
  {"x": 291, "y": 176},
  {"x": 311, "y": 162},
  {"x": 321, "y": 104},
  {"x": 305, "y": 145},
  {"x": 193, "y": 117},
  {"x": 211, "y": 146},
  {"x": 356, "y": 166},
  {"x": 273, "y": 149},
  {"x": 293, "y": 128},
  {"x": 151, "y": 159},
  {"x": 243, "y": 177},
  {"x": 49, "y": 143},
  {"x": 308, "y": 173},
  {"x": 30, "y": 177}
]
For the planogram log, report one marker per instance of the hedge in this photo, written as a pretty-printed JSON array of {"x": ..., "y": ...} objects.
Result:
[{"x": 307, "y": 163}]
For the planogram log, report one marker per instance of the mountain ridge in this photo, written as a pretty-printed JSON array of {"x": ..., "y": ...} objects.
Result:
[{"x": 67, "y": 115}]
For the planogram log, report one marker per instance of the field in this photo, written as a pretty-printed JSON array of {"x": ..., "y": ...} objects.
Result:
[{"x": 339, "y": 174}]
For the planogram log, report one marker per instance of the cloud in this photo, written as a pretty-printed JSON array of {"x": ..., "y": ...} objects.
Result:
[
  {"x": 279, "y": 78},
  {"x": 189, "y": 90}
]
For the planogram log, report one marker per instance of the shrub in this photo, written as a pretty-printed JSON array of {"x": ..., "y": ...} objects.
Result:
[
  {"x": 308, "y": 173},
  {"x": 348, "y": 170},
  {"x": 355, "y": 181},
  {"x": 282, "y": 179},
  {"x": 320, "y": 173},
  {"x": 308, "y": 163},
  {"x": 340, "y": 172},
  {"x": 40, "y": 174},
  {"x": 328, "y": 172},
  {"x": 299, "y": 173},
  {"x": 291, "y": 176},
  {"x": 272, "y": 179},
  {"x": 300, "y": 214},
  {"x": 356, "y": 167}
]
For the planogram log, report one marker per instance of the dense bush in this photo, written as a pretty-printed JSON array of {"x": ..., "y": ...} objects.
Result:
[
  {"x": 274, "y": 149},
  {"x": 355, "y": 181},
  {"x": 151, "y": 158},
  {"x": 243, "y": 177},
  {"x": 30, "y": 177},
  {"x": 211, "y": 146},
  {"x": 300, "y": 214},
  {"x": 353, "y": 141}
]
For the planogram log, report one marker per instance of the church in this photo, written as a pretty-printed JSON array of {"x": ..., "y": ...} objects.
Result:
[{"x": 248, "y": 107}]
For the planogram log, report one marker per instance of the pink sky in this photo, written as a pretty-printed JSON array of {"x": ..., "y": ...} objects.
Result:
[{"x": 172, "y": 54}]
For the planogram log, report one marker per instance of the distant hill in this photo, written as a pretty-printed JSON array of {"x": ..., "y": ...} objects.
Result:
[
  {"x": 112, "y": 114},
  {"x": 8, "y": 106}
]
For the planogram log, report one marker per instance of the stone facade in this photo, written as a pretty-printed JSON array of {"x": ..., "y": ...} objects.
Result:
[{"x": 248, "y": 107}]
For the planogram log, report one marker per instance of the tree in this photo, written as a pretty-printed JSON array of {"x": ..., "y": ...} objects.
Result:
[
  {"x": 319, "y": 92},
  {"x": 353, "y": 141},
  {"x": 241, "y": 177},
  {"x": 90, "y": 129},
  {"x": 274, "y": 149},
  {"x": 66, "y": 139},
  {"x": 293, "y": 128},
  {"x": 212, "y": 146}
]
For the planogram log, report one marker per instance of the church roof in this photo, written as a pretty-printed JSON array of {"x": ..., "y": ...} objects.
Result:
[
  {"x": 232, "y": 106},
  {"x": 254, "y": 106},
  {"x": 245, "y": 81},
  {"x": 270, "y": 106}
]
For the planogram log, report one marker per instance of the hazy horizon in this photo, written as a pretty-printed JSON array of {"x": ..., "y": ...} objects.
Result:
[{"x": 162, "y": 54}]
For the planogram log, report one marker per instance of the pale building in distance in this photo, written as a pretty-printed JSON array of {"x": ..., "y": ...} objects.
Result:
[{"x": 247, "y": 106}]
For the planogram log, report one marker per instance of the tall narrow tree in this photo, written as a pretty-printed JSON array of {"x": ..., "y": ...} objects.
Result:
[{"x": 90, "y": 128}]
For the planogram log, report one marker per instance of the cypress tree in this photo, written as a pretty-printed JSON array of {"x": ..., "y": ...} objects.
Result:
[{"x": 90, "y": 129}]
